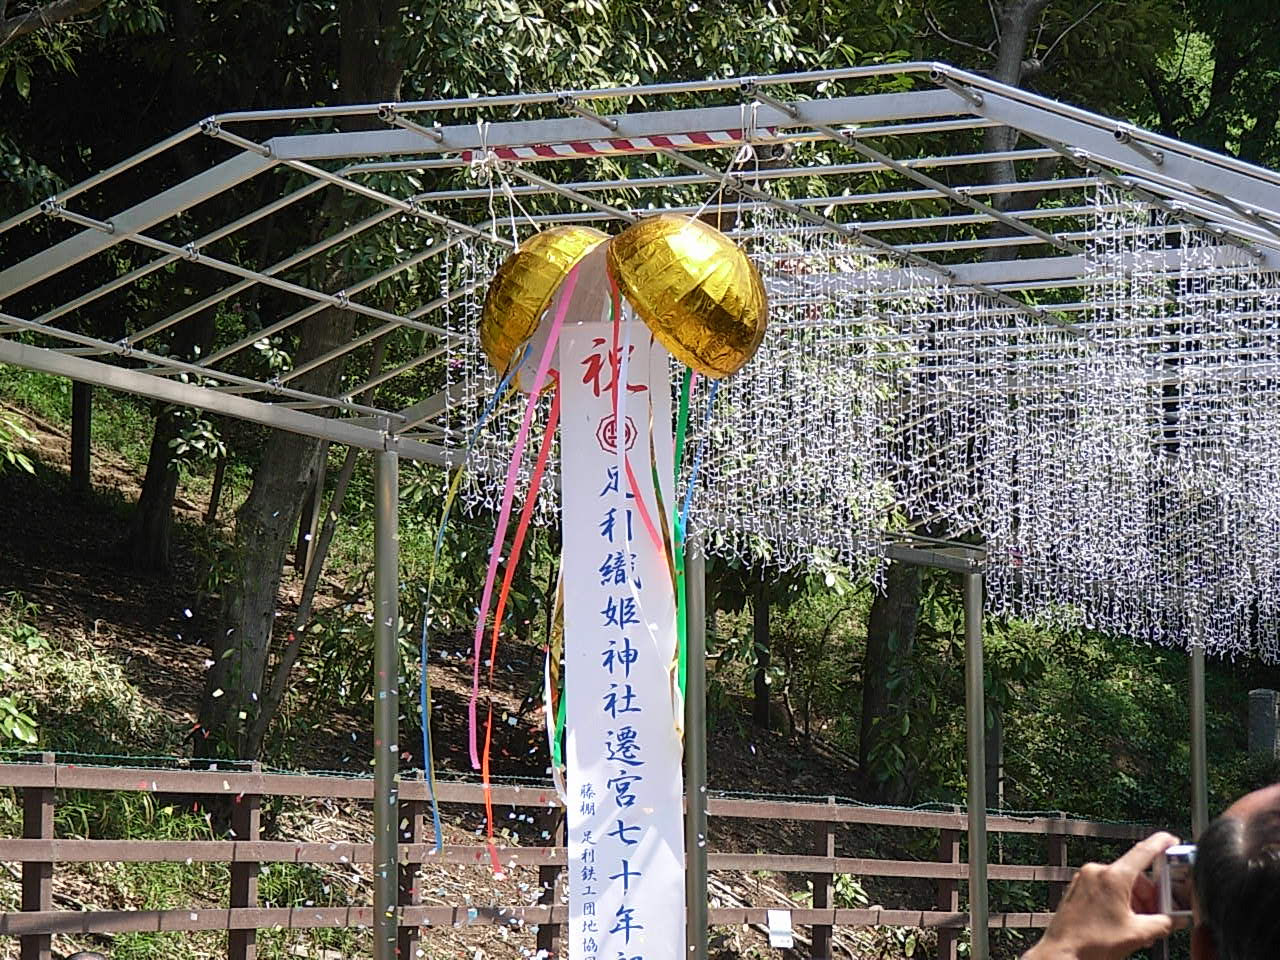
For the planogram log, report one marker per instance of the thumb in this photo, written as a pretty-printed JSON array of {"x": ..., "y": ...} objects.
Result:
[{"x": 1146, "y": 928}]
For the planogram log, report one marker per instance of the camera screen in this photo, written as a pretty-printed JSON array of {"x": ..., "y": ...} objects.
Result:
[
  {"x": 1180, "y": 886},
  {"x": 1174, "y": 878}
]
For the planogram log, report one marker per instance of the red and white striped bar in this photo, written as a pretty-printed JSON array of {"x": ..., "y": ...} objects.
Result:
[{"x": 617, "y": 145}]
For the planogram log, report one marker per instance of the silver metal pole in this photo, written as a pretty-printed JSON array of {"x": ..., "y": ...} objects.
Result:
[
  {"x": 1075, "y": 113},
  {"x": 695, "y": 750},
  {"x": 667, "y": 89},
  {"x": 1199, "y": 764},
  {"x": 775, "y": 173},
  {"x": 107, "y": 174},
  {"x": 386, "y": 705},
  {"x": 350, "y": 432},
  {"x": 975, "y": 711},
  {"x": 854, "y": 231}
]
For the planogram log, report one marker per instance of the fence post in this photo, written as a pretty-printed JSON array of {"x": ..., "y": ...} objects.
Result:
[
  {"x": 246, "y": 820},
  {"x": 948, "y": 893},
  {"x": 824, "y": 886},
  {"x": 37, "y": 878},
  {"x": 1057, "y": 858},
  {"x": 412, "y": 830},
  {"x": 548, "y": 875}
]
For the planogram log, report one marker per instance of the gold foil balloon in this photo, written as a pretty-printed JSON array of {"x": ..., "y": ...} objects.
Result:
[
  {"x": 523, "y": 286},
  {"x": 699, "y": 294}
]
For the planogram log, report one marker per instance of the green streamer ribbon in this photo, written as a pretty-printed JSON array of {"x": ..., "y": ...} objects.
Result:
[
  {"x": 682, "y": 627},
  {"x": 557, "y": 758}
]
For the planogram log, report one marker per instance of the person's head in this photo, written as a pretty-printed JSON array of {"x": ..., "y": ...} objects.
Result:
[{"x": 1237, "y": 881}]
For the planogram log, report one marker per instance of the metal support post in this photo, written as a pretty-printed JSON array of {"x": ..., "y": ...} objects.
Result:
[
  {"x": 695, "y": 750},
  {"x": 975, "y": 711},
  {"x": 386, "y": 706},
  {"x": 1199, "y": 764}
]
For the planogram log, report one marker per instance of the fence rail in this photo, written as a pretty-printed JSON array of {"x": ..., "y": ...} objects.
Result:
[{"x": 38, "y": 850}]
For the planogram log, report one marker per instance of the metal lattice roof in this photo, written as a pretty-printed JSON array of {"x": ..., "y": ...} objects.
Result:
[{"x": 1061, "y": 365}]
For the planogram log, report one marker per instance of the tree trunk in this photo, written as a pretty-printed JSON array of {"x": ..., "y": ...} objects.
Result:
[
  {"x": 891, "y": 637},
  {"x": 148, "y": 546},
  {"x": 760, "y": 636},
  {"x": 81, "y": 436},
  {"x": 215, "y": 495},
  {"x": 891, "y": 626},
  {"x": 264, "y": 533},
  {"x": 309, "y": 523},
  {"x": 1015, "y": 18},
  {"x": 370, "y": 70},
  {"x": 318, "y": 551},
  {"x": 42, "y": 17},
  {"x": 274, "y": 696},
  {"x": 995, "y": 756},
  {"x": 1015, "y": 32}
]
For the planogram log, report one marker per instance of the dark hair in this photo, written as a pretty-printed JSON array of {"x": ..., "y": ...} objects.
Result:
[{"x": 1237, "y": 878}]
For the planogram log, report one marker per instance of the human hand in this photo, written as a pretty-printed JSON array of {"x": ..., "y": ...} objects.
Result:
[{"x": 1109, "y": 911}]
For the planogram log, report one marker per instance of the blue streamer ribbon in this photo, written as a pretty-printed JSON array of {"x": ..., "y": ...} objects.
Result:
[
  {"x": 424, "y": 688},
  {"x": 697, "y": 459}
]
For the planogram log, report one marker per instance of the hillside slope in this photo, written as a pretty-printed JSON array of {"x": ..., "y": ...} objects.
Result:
[{"x": 119, "y": 673}]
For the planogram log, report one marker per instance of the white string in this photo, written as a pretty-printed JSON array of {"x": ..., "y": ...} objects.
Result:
[
  {"x": 745, "y": 153},
  {"x": 513, "y": 203},
  {"x": 751, "y": 133},
  {"x": 483, "y": 164}
]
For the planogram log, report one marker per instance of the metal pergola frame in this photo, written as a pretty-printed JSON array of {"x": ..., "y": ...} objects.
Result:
[{"x": 45, "y": 288}]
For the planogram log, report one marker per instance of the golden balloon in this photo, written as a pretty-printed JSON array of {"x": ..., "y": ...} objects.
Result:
[
  {"x": 524, "y": 285},
  {"x": 699, "y": 294}
]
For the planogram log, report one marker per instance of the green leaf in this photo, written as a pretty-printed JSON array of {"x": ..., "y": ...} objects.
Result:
[{"x": 22, "y": 80}]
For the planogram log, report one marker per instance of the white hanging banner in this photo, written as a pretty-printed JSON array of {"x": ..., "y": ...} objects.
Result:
[{"x": 626, "y": 839}]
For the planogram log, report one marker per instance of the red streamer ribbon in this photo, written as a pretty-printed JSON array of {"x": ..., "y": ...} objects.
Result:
[
  {"x": 522, "y": 528},
  {"x": 504, "y": 513},
  {"x": 621, "y": 428}
]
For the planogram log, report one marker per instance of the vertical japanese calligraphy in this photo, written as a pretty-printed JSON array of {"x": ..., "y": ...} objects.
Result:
[{"x": 626, "y": 854}]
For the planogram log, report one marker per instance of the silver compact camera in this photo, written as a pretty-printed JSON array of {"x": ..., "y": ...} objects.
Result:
[{"x": 1173, "y": 879}]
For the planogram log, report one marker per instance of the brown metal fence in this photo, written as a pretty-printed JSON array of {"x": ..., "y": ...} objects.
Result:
[{"x": 39, "y": 850}]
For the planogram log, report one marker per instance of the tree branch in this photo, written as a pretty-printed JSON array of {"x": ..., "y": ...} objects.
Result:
[
  {"x": 1253, "y": 145},
  {"x": 1083, "y": 17},
  {"x": 1044, "y": 169},
  {"x": 1162, "y": 99},
  {"x": 59, "y": 10},
  {"x": 932, "y": 21}
]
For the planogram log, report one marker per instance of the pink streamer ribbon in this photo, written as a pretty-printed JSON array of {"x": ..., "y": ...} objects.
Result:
[{"x": 508, "y": 494}]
